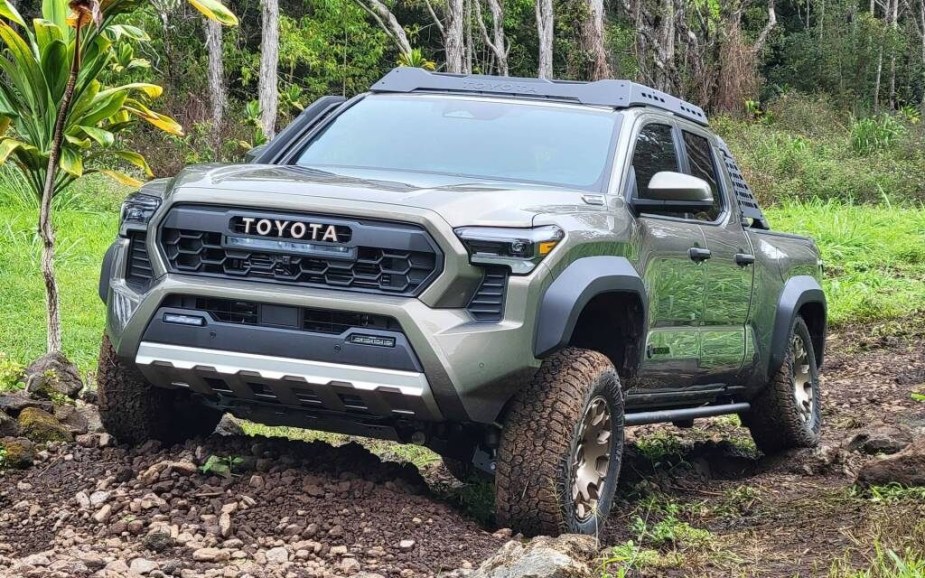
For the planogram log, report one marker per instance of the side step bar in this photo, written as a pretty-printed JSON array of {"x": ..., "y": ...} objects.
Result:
[{"x": 687, "y": 413}]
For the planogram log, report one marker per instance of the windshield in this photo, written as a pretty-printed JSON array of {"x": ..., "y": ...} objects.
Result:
[{"x": 552, "y": 144}]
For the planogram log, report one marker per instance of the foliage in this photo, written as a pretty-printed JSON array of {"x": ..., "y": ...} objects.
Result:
[
  {"x": 416, "y": 59},
  {"x": 885, "y": 563},
  {"x": 876, "y": 133},
  {"x": 11, "y": 373},
  {"x": 220, "y": 465},
  {"x": 893, "y": 493}
]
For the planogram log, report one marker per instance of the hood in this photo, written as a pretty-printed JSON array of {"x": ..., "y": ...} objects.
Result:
[{"x": 458, "y": 200}]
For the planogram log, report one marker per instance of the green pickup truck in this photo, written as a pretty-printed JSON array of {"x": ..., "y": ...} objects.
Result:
[{"x": 507, "y": 271}]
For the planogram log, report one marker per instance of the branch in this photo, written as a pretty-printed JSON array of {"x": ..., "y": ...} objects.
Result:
[
  {"x": 433, "y": 14},
  {"x": 772, "y": 22},
  {"x": 382, "y": 15}
]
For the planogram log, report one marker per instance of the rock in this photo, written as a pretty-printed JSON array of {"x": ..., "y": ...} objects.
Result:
[
  {"x": 86, "y": 440},
  {"x": 53, "y": 375},
  {"x": 8, "y": 426},
  {"x": 20, "y": 452},
  {"x": 211, "y": 555},
  {"x": 70, "y": 418},
  {"x": 885, "y": 439},
  {"x": 157, "y": 541},
  {"x": 40, "y": 426},
  {"x": 568, "y": 556},
  {"x": 224, "y": 525},
  {"x": 278, "y": 555},
  {"x": 103, "y": 515},
  {"x": 142, "y": 566},
  {"x": 91, "y": 415},
  {"x": 906, "y": 468},
  {"x": 229, "y": 426},
  {"x": 14, "y": 403},
  {"x": 349, "y": 565},
  {"x": 99, "y": 498},
  {"x": 406, "y": 544}
]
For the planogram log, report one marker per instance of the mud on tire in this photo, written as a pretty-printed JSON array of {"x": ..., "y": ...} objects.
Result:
[
  {"x": 539, "y": 445},
  {"x": 776, "y": 420},
  {"x": 134, "y": 411}
]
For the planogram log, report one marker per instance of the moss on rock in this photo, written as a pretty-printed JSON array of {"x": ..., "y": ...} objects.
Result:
[
  {"x": 40, "y": 426},
  {"x": 16, "y": 452}
]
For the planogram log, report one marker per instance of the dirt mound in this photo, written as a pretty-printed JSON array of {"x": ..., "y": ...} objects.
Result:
[{"x": 263, "y": 506}]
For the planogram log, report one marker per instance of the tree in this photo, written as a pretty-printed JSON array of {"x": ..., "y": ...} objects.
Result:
[
  {"x": 499, "y": 46},
  {"x": 268, "y": 83},
  {"x": 387, "y": 21},
  {"x": 216, "y": 72},
  {"x": 57, "y": 122},
  {"x": 592, "y": 36},
  {"x": 544, "y": 29}
]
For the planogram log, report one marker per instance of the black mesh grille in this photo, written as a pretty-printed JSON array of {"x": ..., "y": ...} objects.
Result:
[
  {"x": 488, "y": 302},
  {"x": 301, "y": 318},
  {"x": 743, "y": 192},
  {"x": 140, "y": 273},
  {"x": 378, "y": 269}
]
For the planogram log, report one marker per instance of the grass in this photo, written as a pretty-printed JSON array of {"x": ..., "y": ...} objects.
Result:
[{"x": 874, "y": 256}]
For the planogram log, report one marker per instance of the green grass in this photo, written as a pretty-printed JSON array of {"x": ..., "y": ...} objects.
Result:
[{"x": 874, "y": 256}]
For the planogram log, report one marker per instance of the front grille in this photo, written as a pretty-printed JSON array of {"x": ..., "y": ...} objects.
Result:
[
  {"x": 300, "y": 318},
  {"x": 488, "y": 302},
  {"x": 379, "y": 257},
  {"x": 140, "y": 273}
]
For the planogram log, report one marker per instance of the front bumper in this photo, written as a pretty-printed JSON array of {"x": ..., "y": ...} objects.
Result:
[{"x": 467, "y": 370}]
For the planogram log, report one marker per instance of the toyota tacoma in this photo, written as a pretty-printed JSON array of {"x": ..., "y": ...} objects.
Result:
[{"x": 508, "y": 271}]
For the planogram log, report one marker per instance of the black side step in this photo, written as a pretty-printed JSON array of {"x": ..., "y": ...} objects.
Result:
[{"x": 687, "y": 413}]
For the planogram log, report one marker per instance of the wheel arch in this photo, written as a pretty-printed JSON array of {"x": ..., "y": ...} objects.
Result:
[
  {"x": 802, "y": 296},
  {"x": 596, "y": 303}
]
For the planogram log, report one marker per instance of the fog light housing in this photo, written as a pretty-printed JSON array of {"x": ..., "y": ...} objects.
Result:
[{"x": 123, "y": 304}]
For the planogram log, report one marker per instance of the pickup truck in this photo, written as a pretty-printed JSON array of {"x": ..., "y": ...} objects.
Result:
[{"x": 508, "y": 271}]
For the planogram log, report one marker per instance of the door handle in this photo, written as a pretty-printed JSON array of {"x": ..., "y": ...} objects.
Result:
[
  {"x": 699, "y": 255},
  {"x": 744, "y": 259}
]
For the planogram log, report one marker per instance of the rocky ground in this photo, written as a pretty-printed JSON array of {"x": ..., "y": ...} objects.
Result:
[{"x": 692, "y": 502}]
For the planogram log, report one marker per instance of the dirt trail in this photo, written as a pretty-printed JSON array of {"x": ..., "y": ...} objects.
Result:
[{"x": 299, "y": 509}]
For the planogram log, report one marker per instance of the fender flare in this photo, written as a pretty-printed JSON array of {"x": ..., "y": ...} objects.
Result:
[
  {"x": 106, "y": 271},
  {"x": 797, "y": 292},
  {"x": 574, "y": 288}
]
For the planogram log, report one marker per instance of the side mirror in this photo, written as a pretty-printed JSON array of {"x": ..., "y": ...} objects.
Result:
[{"x": 675, "y": 192}]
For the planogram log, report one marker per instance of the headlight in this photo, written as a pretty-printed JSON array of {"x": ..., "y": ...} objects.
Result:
[
  {"x": 137, "y": 210},
  {"x": 519, "y": 249}
]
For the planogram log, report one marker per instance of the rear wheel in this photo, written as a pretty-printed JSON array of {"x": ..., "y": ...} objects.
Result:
[
  {"x": 134, "y": 411},
  {"x": 561, "y": 447},
  {"x": 787, "y": 414}
]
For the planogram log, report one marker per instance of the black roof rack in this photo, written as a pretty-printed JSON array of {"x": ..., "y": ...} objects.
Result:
[{"x": 611, "y": 93}]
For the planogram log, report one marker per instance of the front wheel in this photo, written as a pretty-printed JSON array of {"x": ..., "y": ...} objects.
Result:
[
  {"x": 134, "y": 411},
  {"x": 561, "y": 447},
  {"x": 786, "y": 414}
]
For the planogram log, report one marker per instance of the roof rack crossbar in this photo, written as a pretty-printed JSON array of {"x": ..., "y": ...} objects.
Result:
[{"x": 610, "y": 93}]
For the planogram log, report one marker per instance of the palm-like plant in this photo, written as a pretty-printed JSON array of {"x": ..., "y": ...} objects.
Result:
[{"x": 57, "y": 121}]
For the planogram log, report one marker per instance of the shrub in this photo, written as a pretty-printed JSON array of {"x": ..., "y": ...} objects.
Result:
[{"x": 874, "y": 134}]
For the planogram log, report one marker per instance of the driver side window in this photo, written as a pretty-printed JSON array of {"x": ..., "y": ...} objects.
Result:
[{"x": 655, "y": 152}]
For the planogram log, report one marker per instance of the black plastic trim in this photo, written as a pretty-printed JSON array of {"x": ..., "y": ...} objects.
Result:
[
  {"x": 276, "y": 149},
  {"x": 106, "y": 271},
  {"x": 280, "y": 342},
  {"x": 797, "y": 292},
  {"x": 574, "y": 288}
]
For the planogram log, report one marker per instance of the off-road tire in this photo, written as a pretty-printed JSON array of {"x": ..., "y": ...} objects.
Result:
[
  {"x": 541, "y": 427},
  {"x": 134, "y": 411},
  {"x": 774, "y": 419}
]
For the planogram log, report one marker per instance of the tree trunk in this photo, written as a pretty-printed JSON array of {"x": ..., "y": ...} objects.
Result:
[
  {"x": 454, "y": 40},
  {"x": 268, "y": 85},
  {"x": 877, "y": 81},
  {"x": 544, "y": 28},
  {"x": 216, "y": 75},
  {"x": 496, "y": 42},
  {"x": 593, "y": 40},
  {"x": 894, "y": 24},
  {"x": 46, "y": 229},
  {"x": 666, "y": 47}
]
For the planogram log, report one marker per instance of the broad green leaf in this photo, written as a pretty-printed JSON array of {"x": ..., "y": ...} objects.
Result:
[
  {"x": 101, "y": 109},
  {"x": 129, "y": 31},
  {"x": 7, "y": 146},
  {"x": 53, "y": 55},
  {"x": 122, "y": 178},
  {"x": 135, "y": 159},
  {"x": 161, "y": 121},
  {"x": 103, "y": 137},
  {"x": 71, "y": 161},
  {"x": 27, "y": 73},
  {"x": 81, "y": 143},
  {"x": 46, "y": 32},
  {"x": 9, "y": 12},
  {"x": 151, "y": 90},
  {"x": 4, "y": 124},
  {"x": 215, "y": 10},
  {"x": 55, "y": 11}
]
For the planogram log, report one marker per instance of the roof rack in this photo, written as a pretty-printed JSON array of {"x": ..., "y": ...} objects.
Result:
[{"x": 610, "y": 93}]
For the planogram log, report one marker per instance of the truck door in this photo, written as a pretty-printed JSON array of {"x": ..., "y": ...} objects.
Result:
[
  {"x": 670, "y": 263},
  {"x": 729, "y": 269}
]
